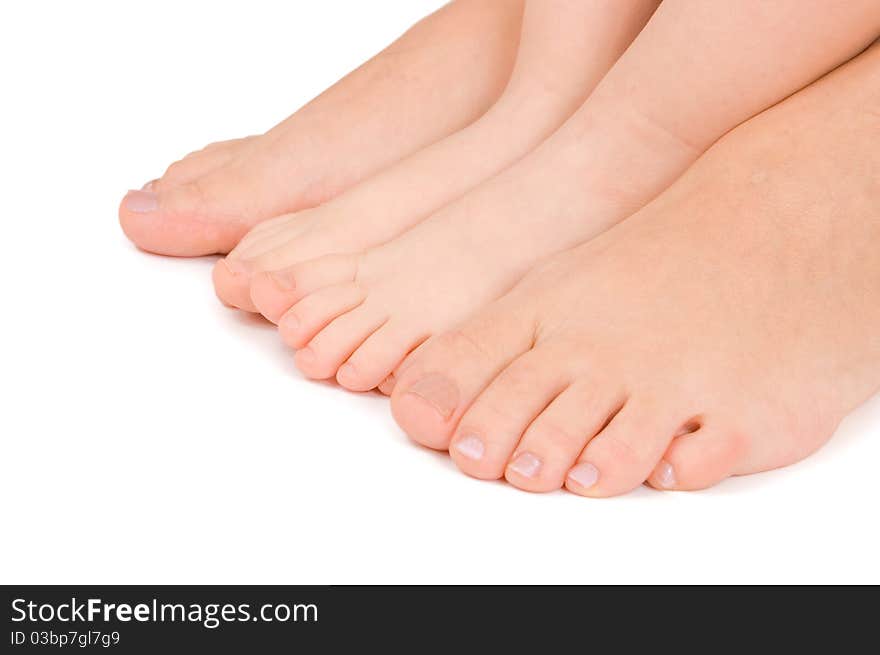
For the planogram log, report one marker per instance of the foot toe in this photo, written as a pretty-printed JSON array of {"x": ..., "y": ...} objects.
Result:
[
  {"x": 552, "y": 443},
  {"x": 273, "y": 293},
  {"x": 270, "y": 280},
  {"x": 184, "y": 220},
  {"x": 327, "y": 350},
  {"x": 623, "y": 454},
  {"x": 490, "y": 429},
  {"x": 314, "y": 312},
  {"x": 293, "y": 283},
  {"x": 231, "y": 278},
  {"x": 437, "y": 383},
  {"x": 371, "y": 365},
  {"x": 700, "y": 459}
]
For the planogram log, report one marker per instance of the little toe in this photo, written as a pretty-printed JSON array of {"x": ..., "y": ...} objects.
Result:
[
  {"x": 326, "y": 352},
  {"x": 372, "y": 363},
  {"x": 700, "y": 460},
  {"x": 623, "y": 454},
  {"x": 496, "y": 420},
  {"x": 553, "y": 441},
  {"x": 438, "y": 382},
  {"x": 314, "y": 312}
]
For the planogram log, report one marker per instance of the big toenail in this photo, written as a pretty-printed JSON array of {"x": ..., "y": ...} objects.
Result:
[
  {"x": 664, "y": 474},
  {"x": 288, "y": 323},
  {"x": 526, "y": 465},
  {"x": 237, "y": 266},
  {"x": 438, "y": 392},
  {"x": 141, "y": 202},
  {"x": 283, "y": 281},
  {"x": 584, "y": 474},
  {"x": 470, "y": 446}
]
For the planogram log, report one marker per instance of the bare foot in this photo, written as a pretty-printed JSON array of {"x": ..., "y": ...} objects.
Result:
[
  {"x": 731, "y": 324},
  {"x": 438, "y": 77},
  {"x": 559, "y": 63},
  {"x": 355, "y": 317}
]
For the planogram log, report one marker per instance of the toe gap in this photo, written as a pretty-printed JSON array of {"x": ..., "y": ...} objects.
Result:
[
  {"x": 614, "y": 412},
  {"x": 690, "y": 426}
]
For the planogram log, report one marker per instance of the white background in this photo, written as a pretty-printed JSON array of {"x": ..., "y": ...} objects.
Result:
[{"x": 149, "y": 435}]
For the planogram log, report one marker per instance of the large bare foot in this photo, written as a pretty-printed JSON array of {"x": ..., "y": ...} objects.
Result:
[{"x": 723, "y": 330}]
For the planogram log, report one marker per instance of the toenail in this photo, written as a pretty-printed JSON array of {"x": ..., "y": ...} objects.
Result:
[
  {"x": 141, "y": 202},
  {"x": 306, "y": 356},
  {"x": 236, "y": 266},
  {"x": 283, "y": 281},
  {"x": 347, "y": 372},
  {"x": 664, "y": 474},
  {"x": 526, "y": 465},
  {"x": 470, "y": 446},
  {"x": 584, "y": 475},
  {"x": 438, "y": 392},
  {"x": 288, "y": 323}
]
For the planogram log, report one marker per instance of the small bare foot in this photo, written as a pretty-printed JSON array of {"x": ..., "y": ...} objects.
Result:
[
  {"x": 723, "y": 330},
  {"x": 558, "y": 65},
  {"x": 438, "y": 77},
  {"x": 355, "y": 317}
]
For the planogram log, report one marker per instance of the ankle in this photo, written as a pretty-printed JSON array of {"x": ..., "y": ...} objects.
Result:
[{"x": 625, "y": 154}]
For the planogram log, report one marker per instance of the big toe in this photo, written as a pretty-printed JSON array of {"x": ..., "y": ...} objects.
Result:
[
  {"x": 276, "y": 287},
  {"x": 438, "y": 383},
  {"x": 204, "y": 216},
  {"x": 180, "y": 222}
]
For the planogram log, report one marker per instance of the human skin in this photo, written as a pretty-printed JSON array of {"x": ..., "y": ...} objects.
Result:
[
  {"x": 432, "y": 81},
  {"x": 725, "y": 329},
  {"x": 693, "y": 73},
  {"x": 566, "y": 47}
]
